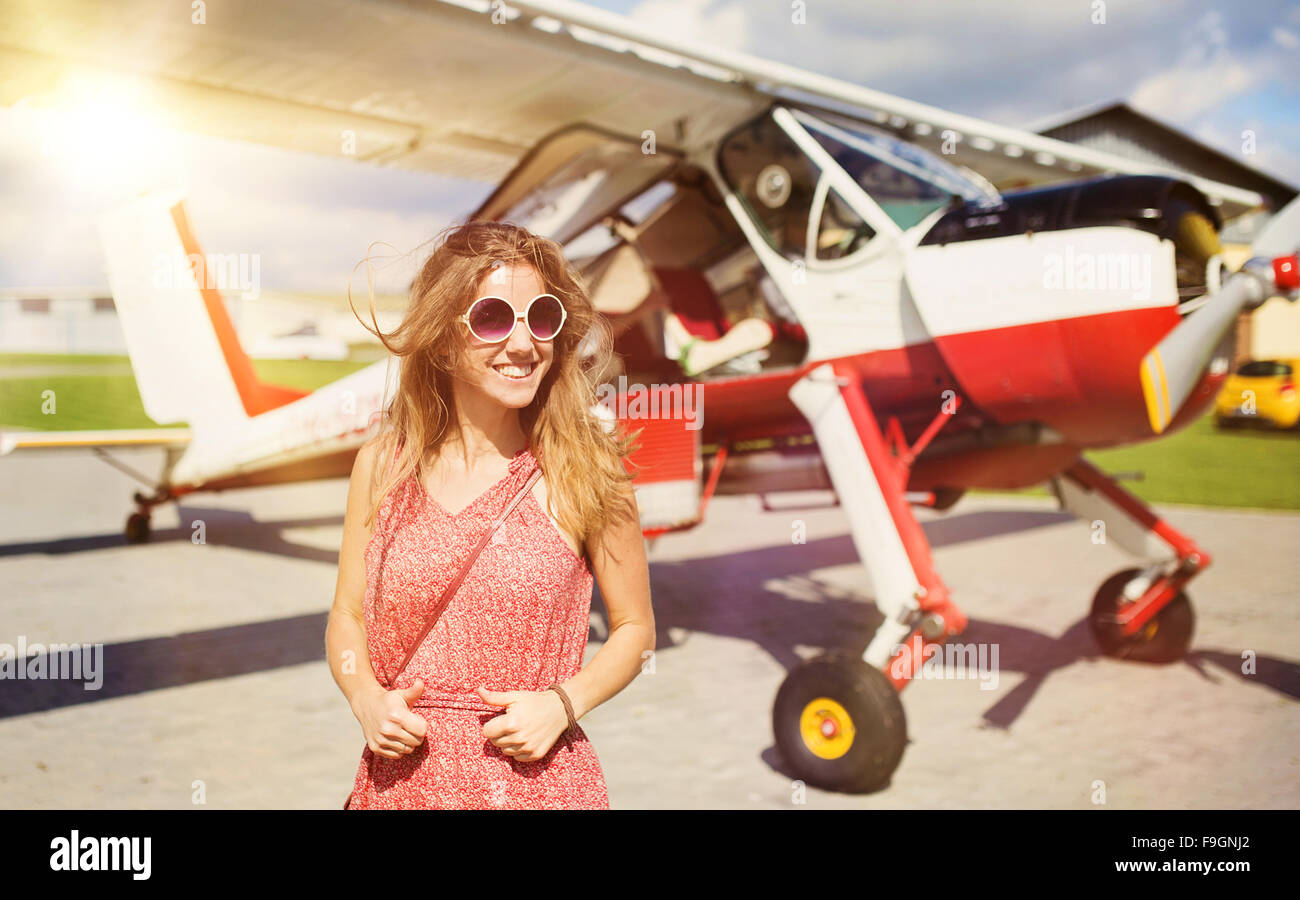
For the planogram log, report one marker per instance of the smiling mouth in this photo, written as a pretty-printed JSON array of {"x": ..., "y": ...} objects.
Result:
[{"x": 516, "y": 373}]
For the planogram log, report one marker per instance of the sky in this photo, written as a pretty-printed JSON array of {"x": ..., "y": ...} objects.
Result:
[{"x": 1212, "y": 68}]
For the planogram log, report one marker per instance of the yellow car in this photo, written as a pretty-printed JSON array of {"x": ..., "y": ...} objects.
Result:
[{"x": 1262, "y": 390}]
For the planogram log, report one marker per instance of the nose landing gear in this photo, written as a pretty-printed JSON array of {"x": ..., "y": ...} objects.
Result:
[
  {"x": 1137, "y": 614},
  {"x": 1165, "y": 638}
]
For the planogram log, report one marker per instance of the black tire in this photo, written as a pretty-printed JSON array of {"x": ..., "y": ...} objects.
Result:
[
  {"x": 879, "y": 728},
  {"x": 137, "y": 528},
  {"x": 946, "y": 498},
  {"x": 1165, "y": 639}
]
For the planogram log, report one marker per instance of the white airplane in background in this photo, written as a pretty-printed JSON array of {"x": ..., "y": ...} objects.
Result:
[{"x": 912, "y": 273}]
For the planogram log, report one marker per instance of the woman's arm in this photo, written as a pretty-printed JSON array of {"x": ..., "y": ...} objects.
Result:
[
  {"x": 391, "y": 729},
  {"x": 618, "y": 562},
  {"x": 534, "y": 720}
]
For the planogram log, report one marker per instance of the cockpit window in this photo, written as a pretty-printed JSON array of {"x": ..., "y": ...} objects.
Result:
[
  {"x": 572, "y": 178},
  {"x": 907, "y": 182},
  {"x": 774, "y": 180},
  {"x": 841, "y": 230}
]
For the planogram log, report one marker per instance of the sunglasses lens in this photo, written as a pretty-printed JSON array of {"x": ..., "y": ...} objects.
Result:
[
  {"x": 492, "y": 318},
  {"x": 544, "y": 317}
]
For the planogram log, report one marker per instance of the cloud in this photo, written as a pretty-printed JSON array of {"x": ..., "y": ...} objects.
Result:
[
  {"x": 1206, "y": 75},
  {"x": 722, "y": 25},
  {"x": 1186, "y": 92},
  {"x": 1286, "y": 39},
  {"x": 1017, "y": 61}
]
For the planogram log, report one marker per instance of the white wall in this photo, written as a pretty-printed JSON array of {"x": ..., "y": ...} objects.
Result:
[
  {"x": 1275, "y": 330},
  {"x": 73, "y": 325}
]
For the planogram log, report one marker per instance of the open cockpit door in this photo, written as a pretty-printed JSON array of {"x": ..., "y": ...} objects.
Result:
[{"x": 573, "y": 177}]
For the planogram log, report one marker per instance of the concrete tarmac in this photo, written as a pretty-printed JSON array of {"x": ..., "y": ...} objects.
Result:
[{"x": 216, "y": 688}]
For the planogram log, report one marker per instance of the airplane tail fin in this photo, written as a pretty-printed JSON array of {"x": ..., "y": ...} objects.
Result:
[{"x": 187, "y": 358}]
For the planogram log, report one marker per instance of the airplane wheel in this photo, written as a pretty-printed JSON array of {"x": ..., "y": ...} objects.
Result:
[
  {"x": 1164, "y": 639},
  {"x": 839, "y": 724},
  {"x": 137, "y": 528},
  {"x": 946, "y": 498}
]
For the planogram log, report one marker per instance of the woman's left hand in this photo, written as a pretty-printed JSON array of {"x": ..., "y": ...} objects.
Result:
[{"x": 530, "y": 726}]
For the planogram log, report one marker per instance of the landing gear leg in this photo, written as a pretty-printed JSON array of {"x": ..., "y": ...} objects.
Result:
[
  {"x": 1139, "y": 614},
  {"x": 137, "y": 524},
  {"x": 837, "y": 719}
]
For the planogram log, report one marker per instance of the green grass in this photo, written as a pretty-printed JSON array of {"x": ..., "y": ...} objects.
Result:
[
  {"x": 90, "y": 402},
  {"x": 1206, "y": 466},
  {"x": 305, "y": 374},
  {"x": 1203, "y": 466},
  {"x": 80, "y": 403},
  {"x": 1199, "y": 465},
  {"x": 61, "y": 359}
]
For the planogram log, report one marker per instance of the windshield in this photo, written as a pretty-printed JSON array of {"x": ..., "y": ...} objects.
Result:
[
  {"x": 906, "y": 181},
  {"x": 1264, "y": 368}
]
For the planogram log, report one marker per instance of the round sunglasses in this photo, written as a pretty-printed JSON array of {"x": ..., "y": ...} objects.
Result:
[{"x": 492, "y": 319}]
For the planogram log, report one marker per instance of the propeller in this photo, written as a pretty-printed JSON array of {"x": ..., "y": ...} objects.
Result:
[{"x": 1172, "y": 368}]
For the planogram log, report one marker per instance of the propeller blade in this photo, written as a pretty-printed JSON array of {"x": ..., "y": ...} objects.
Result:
[
  {"x": 1172, "y": 368},
  {"x": 1281, "y": 234}
]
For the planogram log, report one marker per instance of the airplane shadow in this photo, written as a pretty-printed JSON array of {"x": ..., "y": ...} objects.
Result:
[
  {"x": 729, "y": 594},
  {"x": 732, "y": 596},
  {"x": 238, "y": 528},
  {"x": 764, "y": 596},
  {"x": 223, "y": 527},
  {"x": 1037, "y": 655},
  {"x": 151, "y": 664}
]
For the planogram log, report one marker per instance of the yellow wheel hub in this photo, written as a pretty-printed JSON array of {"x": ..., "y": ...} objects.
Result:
[{"x": 826, "y": 728}]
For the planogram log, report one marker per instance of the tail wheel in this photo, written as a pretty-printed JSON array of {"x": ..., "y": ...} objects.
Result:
[
  {"x": 946, "y": 498},
  {"x": 1165, "y": 639},
  {"x": 839, "y": 724},
  {"x": 137, "y": 528}
]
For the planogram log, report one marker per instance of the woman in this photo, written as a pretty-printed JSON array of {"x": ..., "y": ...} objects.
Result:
[{"x": 497, "y": 352}]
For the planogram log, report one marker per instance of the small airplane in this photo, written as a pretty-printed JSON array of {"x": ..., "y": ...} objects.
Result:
[{"x": 813, "y": 286}]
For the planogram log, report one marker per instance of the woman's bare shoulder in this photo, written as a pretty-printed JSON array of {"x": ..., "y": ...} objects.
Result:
[
  {"x": 363, "y": 467},
  {"x": 367, "y": 453},
  {"x": 542, "y": 496}
]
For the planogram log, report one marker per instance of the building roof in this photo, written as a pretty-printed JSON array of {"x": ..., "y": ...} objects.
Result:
[{"x": 1118, "y": 127}]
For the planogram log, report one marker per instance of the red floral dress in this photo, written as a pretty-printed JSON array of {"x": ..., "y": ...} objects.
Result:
[{"x": 518, "y": 623}]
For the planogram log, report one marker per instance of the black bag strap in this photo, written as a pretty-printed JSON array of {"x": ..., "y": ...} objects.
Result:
[{"x": 464, "y": 570}]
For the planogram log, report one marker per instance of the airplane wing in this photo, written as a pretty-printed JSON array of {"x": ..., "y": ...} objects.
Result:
[
  {"x": 465, "y": 87},
  {"x": 450, "y": 88},
  {"x": 124, "y": 437}
]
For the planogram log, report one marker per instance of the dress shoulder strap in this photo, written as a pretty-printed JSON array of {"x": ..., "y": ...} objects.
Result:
[{"x": 397, "y": 452}]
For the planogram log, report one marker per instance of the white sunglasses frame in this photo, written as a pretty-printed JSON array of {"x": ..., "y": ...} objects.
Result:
[{"x": 519, "y": 317}]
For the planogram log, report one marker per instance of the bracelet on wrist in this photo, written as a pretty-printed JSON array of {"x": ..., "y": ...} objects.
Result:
[{"x": 568, "y": 708}]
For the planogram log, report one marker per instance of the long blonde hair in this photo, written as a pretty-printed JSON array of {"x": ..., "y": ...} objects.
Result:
[{"x": 582, "y": 461}]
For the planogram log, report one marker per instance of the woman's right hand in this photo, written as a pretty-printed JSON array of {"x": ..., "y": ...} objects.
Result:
[{"x": 391, "y": 729}]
